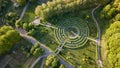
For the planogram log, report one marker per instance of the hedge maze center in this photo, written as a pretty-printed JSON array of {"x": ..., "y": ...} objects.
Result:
[{"x": 73, "y": 32}]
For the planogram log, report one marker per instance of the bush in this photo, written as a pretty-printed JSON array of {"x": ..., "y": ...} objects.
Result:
[{"x": 36, "y": 50}]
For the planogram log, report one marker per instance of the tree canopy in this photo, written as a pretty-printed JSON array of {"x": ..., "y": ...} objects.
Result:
[
  {"x": 58, "y": 7},
  {"x": 112, "y": 36},
  {"x": 8, "y": 37}
]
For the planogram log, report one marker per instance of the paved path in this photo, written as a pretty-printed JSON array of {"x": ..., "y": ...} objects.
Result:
[
  {"x": 39, "y": 58},
  {"x": 24, "y": 10},
  {"x": 47, "y": 49},
  {"x": 99, "y": 35},
  {"x": 66, "y": 64},
  {"x": 33, "y": 41}
]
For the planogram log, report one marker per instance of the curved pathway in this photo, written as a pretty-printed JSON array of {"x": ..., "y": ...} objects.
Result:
[{"x": 99, "y": 34}]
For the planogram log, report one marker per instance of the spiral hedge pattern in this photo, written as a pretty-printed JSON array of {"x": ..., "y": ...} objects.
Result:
[{"x": 73, "y": 31}]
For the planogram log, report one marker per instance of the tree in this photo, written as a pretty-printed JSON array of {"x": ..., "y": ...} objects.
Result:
[
  {"x": 62, "y": 66},
  {"x": 25, "y": 26},
  {"x": 110, "y": 13},
  {"x": 32, "y": 0},
  {"x": 57, "y": 7},
  {"x": 112, "y": 37},
  {"x": 3, "y": 6},
  {"x": 21, "y": 2},
  {"x": 117, "y": 17},
  {"x": 36, "y": 50},
  {"x": 8, "y": 37},
  {"x": 52, "y": 61},
  {"x": 114, "y": 47},
  {"x": 18, "y": 23}
]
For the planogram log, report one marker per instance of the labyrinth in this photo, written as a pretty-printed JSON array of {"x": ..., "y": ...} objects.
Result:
[{"x": 72, "y": 31}]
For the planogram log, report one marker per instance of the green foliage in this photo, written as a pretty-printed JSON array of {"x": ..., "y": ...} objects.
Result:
[
  {"x": 25, "y": 26},
  {"x": 36, "y": 50},
  {"x": 62, "y": 66},
  {"x": 110, "y": 10},
  {"x": 52, "y": 61},
  {"x": 18, "y": 23},
  {"x": 114, "y": 28},
  {"x": 58, "y": 7},
  {"x": 3, "y": 6},
  {"x": 32, "y": 0},
  {"x": 8, "y": 37},
  {"x": 31, "y": 32},
  {"x": 113, "y": 44},
  {"x": 10, "y": 18},
  {"x": 21, "y": 2},
  {"x": 117, "y": 17}
]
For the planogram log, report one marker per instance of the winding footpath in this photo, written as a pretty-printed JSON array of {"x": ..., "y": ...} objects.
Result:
[{"x": 98, "y": 37}]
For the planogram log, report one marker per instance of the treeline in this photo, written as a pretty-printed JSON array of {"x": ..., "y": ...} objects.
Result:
[
  {"x": 58, "y": 7},
  {"x": 8, "y": 37},
  {"x": 112, "y": 34}
]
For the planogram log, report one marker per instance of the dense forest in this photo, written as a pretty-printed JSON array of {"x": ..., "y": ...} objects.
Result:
[{"x": 111, "y": 12}]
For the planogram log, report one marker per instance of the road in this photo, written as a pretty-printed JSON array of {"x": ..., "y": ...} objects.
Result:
[{"x": 99, "y": 35}]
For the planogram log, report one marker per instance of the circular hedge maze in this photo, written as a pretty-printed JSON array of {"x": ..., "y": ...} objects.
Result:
[{"x": 72, "y": 31}]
